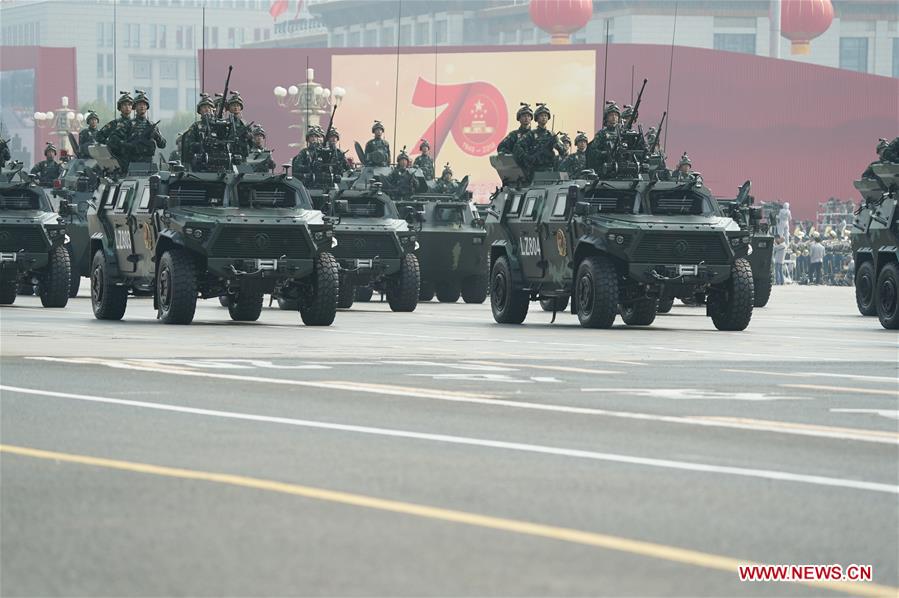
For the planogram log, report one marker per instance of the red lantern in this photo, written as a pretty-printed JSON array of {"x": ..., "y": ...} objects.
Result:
[
  {"x": 561, "y": 18},
  {"x": 803, "y": 20}
]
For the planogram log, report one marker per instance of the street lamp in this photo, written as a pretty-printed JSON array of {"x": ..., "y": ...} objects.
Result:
[
  {"x": 309, "y": 101},
  {"x": 63, "y": 121}
]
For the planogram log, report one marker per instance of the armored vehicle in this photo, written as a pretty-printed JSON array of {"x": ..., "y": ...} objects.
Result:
[
  {"x": 875, "y": 244},
  {"x": 614, "y": 245},
  {"x": 451, "y": 252},
  {"x": 32, "y": 240},
  {"x": 761, "y": 243},
  {"x": 182, "y": 235},
  {"x": 375, "y": 246},
  {"x": 77, "y": 186}
]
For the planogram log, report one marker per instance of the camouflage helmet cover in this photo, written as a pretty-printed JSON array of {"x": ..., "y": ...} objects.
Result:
[
  {"x": 205, "y": 100},
  {"x": 257, "y": 130},
  {"x": 234, "y": 99},
  {"x": 333, "y": 132},
  {"x": 564, "y": 138},
  {"x": 447, "y": 170},
  {"x": 49, "y": 148},
  {"x": 310, "y": 133},
  {"x": 610, "y": 107},
  {"x": 542, "y": 109},
  {"x": 402, "y": 155},
  {"x": 581, "y": 136},
  {"x": 91, "y": 115},
  {"x": 141, "y": 96},
  {"x": 525, "y": 109},
  {"x": 377, "y": 125},
  {"x": 124, "y": 98},
  {"x": 424, "y": 144},
  {"x": 685, "y": 160}
]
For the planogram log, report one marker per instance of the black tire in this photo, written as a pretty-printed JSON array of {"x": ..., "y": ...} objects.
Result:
[
  {"x": 289, "y": 304},
  {"x": 730, "y": 305},
  {"x": 425, "y": 291},
  {"x": 321, "y": 307},
  {"x": 176, "y": 287},
  {"x": 474, "y": 289},
  {"x": 509, "y": 305},
  {"x": 9, "y": 288},
  {"x": 865, "y": 283},
  {"x": 887, "y": 296},
  {"x": 641, "y": 312},
  {"x": 364, "y": 294},
  {"x": 403, "y": 287},
  {"x": 75, "y": 281},
  {"x": 346, "y": 292},
  {"x": 665, "y": 305},
  {"x": 447, "y": 292},
  {"x": 56, "y": 278},
  {"x": 762, "y": 291},
  {"x": 107, "y": 300},
  {"x": 225, "y": 300},
  {"x": 247, "y": 306},
  {"x": 554, "y": 303},
  {"x": 596, "y": 286}
]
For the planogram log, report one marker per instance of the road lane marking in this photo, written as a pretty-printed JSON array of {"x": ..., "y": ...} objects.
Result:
[
  {"x": 887, "y": 413},
  {"x": 767, "y": 474},
  {"x": 893, "y": 379},
  {"x": 700, "y": 394},
  {"x": 551, "y": 368},
  {"x": 867, "y": 391},
  {"x": 488, "y": 400},
  {"x": 562, "y": 534}
]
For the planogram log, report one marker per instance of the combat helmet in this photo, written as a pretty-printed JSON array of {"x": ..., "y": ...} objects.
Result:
[
  {"x": 141, "y": 96},
  {"x": 424, "y": 144},
  {"x": 377, "y": 125},
  {"x": 881, "y": 145},
  {"x": 311, "y": 133},
  {"x": 50, "y": 148},
  {"x": 333, "y": 132},
  {"x": 581, "y": 136},
  {"x": 564, "y": 138},
  {"x": 685, "y": 160},
  {"x": 205, "y": 100},
  {"x": 446, "y": 171},
  {"x": 124, "y": 98},
  {"x": 235, "y": 99},
  {"x": 91, "y": 115},
  {"x": 525, "y": 109},
  {"x": 403, "y": 156},
  {"x": 626, "y": 111},
  {"x": 542, "y": 109},
  {"x": 609, "y": 108},
  {"x": 257, "y": 130}
]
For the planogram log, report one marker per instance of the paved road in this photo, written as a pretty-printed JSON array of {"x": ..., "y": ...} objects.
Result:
[{"x": 437, "y": 453}]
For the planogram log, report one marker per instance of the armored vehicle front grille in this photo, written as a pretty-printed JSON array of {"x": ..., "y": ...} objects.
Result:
[
  {"x": 23, "y": 238},
  {"x": 261, "y": 242},
  {"x": 681, "y": 248},
  {"x": 366, "y": 246}
]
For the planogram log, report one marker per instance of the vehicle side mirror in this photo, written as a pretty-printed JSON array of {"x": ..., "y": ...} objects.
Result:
[
  {"x": 341, "y": 206},
  {"x": 159, "y": 202},
  {"x": 410, "y": 215},
  {"x": 582, "y": 208},
  {"x": 571, "y": 199},
  {"x": 64, "y": 208}
]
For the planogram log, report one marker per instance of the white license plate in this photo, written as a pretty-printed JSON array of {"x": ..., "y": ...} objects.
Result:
[
  {"x": 691, "y": 270},
  {"x": 266, "y": 264},
  {"x": 364, "y": 263}
]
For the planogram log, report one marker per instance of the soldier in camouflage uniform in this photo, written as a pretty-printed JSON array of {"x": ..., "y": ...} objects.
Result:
[
  {"x": 400, "y": 181},
  {"x": 886, "y": 152},
  {"x": 446, "y": 184},
  {"x": 537, "y": 149},
  {"x": 48, "y": 170},
  {"x": 260, "y": 156},
  {"x": 145, "y": 137},
  {"x": 424, "y": 160},
  {"x": 234, "y": 105},
  {"x": 302, "y": 164},
  {"x": 88, "y": 135},
  {"x": 576, "y": 162},
  {"x": 115, "y": 133},
  {"x": 566, "y": 145},
  {"x": 599, "y": 150},
  {"x": 684, "y": 169},
  {"x": 524, "y": 116},
  {"x": 192, "y": 137},
  {"x": 339, "y": 164},
  {"x": 377, "y": 150},
  {"x": 5, "y": 156}
]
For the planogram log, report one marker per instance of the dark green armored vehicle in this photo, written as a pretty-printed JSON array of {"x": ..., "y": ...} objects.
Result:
[
  {"x": 451, "y": 252},
  {"x": 614, "y": 246},
  {"x": 32, "y": 240},
  {"x": 78, "y": 184},
  {"x": 182, "y": 235},
  {"x": 761, "y": 243},
  {"x": 875, "y": 244},
  {"x": 375, "y": 245}
]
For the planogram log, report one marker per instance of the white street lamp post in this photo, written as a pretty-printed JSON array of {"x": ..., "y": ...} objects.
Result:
[
  {"x": 310, "y": 102},
  {"x": 63, "y": 121}
]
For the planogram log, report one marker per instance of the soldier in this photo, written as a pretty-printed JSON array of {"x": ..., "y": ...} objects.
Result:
[
  {"x": 88, "y": 135},
  {"x": 626, "y": 112},
  {"x": 446, "y": 184},
  {"x": 599, "y": 150},
  {"x": 566, "y": 145},
  {"x": 400, "y": 180},
  {"x": 259, "y": 155},
  {"x": 684, "y": 169},
  {"x": 302, "y": 164},
  {"x": 175, "y": 155},
  {"x": 192, "y": 137},
  {"x": 377, "y": 150},
  {"x": 524, "y": 116},
  {"x": 116, "y": 132},
  {"x": 576, "y": 162},
  {"x": 339, "y": 162},
  {"x": 145, "y": 136},
  {"x": 535, "y": 150},
  {"x": 424, "y": 160},
  {"x": 4, "y": 153},
  {"x": 48, "y": 170},
  {"x": 886, "y": 152},
  {"x": 234, "y": 105}
]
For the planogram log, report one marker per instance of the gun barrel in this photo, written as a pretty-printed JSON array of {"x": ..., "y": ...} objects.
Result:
[{"x": 221, "y": 110}]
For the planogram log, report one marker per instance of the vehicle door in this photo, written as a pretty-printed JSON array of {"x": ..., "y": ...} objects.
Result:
[
  {"x": 555, "y": 237},
  {"x": 122, "y": 226},
  {"x": 530, "y": 249},
  {"x": 107, "y": 217},
  {"x": 143, "y": 231}
]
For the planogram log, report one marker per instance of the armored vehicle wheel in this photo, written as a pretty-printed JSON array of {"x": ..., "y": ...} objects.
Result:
[
  {"x": 346, "y": 293},
  {"x": 75, "y": 282},
  {"x": 474, "y": 289},
  {"x": 321, "y": 307},
  {"x": 9, "y": 288},
  {"x": 288, "y": 304},
  {"x": 447, "y": 292},
  {"x": 665, "y": 305},
  {"x": 887, "y": 297},
  {"x": 107, "y": 300},
  {"x": 730, "y": 304},
  {"x": 426, "y": 291},
  {"x": 247, "y": 306},
  {"x": 225, "y": 300},
  {"x": 597, "y": 292},
  {"x": 363, "y": 294},
  {"x": 403, "y": 287},
  {"x": 865, "y": 283},
  {"x": 509, "y": 305},
  {"x": 641, "y": 312},
  {"x": 762, "y": 288},
  {"x": 56, "y": 278},
  {"x": 554, "y": 303},
  {"x": 176, "y": 287}
]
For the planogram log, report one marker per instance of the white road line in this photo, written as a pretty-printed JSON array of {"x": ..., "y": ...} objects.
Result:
[
  {"x": 767, "y": 474},
  {"x": 892, "y": 379},
  {"x": 852, "y": 390},
  {"x": 756, "y": 425}
]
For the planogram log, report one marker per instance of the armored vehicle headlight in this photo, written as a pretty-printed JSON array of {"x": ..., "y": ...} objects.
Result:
[
  {"x": 745, "y": 240},
  {"x": 620, "y": 239},
  {"x": 735, "y": 241},
  {"x": 319, "y": 236},
  {"x": 189, "y": 231},
  {"x": 198, "y": 233}
]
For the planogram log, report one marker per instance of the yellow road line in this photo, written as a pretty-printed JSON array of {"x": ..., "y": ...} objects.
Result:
[
  {"x": 561, "y": 534},
  {"x": 867, "y": 391}
]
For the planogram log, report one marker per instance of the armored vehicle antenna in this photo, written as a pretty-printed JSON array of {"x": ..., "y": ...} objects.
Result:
[{"x": 670, "y": 72}]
